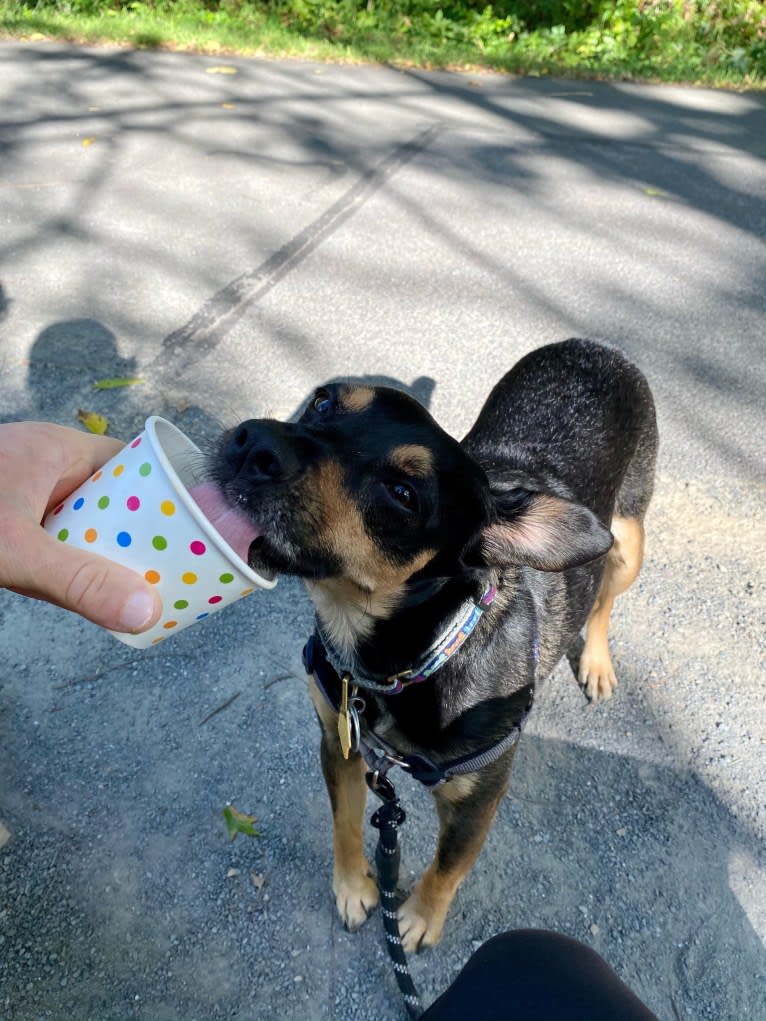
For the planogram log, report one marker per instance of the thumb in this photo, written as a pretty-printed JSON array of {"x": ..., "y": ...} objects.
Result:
[{"x": 103, "y": 592}]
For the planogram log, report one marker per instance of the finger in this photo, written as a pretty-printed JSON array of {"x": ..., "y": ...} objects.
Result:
[
  {"x": 79, "y": 455},
  {"x": 43, "y": 463},
  {"x": 106, "y": 593}
]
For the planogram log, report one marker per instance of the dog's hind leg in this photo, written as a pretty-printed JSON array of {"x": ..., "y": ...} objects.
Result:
[
  {"x": 623, "y": 563},
  {"x": 356, "y": 892}
]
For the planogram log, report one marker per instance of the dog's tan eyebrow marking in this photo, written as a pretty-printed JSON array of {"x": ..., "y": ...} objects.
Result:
[
  {"x": 356, "y": 398},
  {"x": 413, "y": 459}
]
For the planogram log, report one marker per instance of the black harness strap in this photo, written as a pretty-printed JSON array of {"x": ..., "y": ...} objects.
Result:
[{"x": 380, "y": 755}]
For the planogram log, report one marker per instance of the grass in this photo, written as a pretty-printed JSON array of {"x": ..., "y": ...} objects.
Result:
[{"x": 710, "y": 42}]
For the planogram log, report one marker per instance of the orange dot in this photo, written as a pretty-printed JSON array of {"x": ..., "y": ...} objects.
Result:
[
  {"x": 152, "y": 577},
  {"x": 189, "y": 578},
  {"x": 118, "y": 470},
  {"x": 160, "y": 639},
  {"x": 170, "y": 624},
  {"x": 168, "y": 508},
  {"x": 91, "y": 535},
  {"x": 246, "y": 592},
  {"x": 97, "y": 476}
]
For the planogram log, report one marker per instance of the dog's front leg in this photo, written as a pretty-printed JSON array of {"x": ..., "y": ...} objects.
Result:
[
  {"x": 356, "y": 893},
  {"x": 466, "y": 807}
]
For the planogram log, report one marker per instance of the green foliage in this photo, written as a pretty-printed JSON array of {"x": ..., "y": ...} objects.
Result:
[{"x": 697, "y": 40}]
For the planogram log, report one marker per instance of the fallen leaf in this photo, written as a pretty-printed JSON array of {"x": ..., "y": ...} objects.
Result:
[
  {"x": 87, "y": 141},
  {"x": 238, "y": 822},
  {"x": 113, "y": 384},
  {"x": 221, "y": 69},
  {"x": 259, "y": 880},
  {"x": 93, "y": 422},
  {"x": 233, "y": 873}
]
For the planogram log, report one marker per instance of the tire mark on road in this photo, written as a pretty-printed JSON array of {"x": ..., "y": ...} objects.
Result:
[{"x": 208, "y": 327}]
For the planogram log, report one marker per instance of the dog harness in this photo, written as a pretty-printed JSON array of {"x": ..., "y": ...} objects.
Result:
[{"x": 341, "y": 691}]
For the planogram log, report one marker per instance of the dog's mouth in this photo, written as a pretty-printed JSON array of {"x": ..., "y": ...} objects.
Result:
[{"x": 232, "y": 524}]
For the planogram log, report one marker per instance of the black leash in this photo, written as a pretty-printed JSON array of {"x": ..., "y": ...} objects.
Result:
[{"x": 387, "y": 820}]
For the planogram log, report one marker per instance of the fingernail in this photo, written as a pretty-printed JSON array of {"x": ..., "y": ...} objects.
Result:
[{"x": 137, "y": 611}]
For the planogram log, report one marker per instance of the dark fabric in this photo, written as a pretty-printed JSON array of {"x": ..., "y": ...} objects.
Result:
[{"x": 534, "y": 975}]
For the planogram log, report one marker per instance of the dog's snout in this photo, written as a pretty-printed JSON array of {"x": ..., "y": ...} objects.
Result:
[{"x": 259, "y": 450}]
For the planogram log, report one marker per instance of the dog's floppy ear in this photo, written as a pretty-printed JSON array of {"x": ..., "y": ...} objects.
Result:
[{"x": 542, "y": 531}]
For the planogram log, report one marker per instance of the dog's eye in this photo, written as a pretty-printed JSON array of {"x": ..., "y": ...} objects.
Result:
[
  {"x": 322, "y": 403},
  {"x": 404, "y": 495}
]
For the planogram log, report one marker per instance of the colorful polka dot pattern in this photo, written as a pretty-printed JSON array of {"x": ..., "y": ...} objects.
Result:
[{"x": 155, "y": 535}]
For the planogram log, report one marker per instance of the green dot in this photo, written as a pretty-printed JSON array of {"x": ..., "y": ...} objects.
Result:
[
  {"x": 145, "y": 469},
  {"x": 63, "y": 535},
  {"x": 160, "y": 542},
  {"x": 226, "y": 578},
  {"x": 103, "y": 503},
  {"x": 181, "y": 604}
]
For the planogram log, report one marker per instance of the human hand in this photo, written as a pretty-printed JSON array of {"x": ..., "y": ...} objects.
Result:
[{"x": 40, "y": 465}]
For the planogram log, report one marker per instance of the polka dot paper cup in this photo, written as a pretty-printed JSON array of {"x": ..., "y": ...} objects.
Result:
[{"x": 137, "y": 511}]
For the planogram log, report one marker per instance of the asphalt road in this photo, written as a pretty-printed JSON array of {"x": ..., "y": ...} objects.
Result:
[{"x": 236, "y": 238}]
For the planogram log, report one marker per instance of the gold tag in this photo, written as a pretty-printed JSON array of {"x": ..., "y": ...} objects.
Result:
[{"x": 344, "y": 720}]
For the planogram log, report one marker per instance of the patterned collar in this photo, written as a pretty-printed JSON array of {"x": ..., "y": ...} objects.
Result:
[{"x": 446, "y": 645}]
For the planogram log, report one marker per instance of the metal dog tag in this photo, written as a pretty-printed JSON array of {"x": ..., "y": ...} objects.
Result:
[
  {"x": 344, "y": 719},
  {"x": 356, "y": 706}
]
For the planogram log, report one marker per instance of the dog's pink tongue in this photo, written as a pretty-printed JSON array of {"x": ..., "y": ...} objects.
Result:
[{"x": 237, "y": 529}]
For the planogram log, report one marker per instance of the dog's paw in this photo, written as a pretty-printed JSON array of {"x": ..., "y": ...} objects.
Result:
[
  {"x": 356, "y": 897},
  {"x": 420, "y": 923},
  {"x": 597, "y": 674}
]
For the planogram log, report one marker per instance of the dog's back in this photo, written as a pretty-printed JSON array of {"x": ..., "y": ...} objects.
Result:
[{"x": 579, "y": 417}]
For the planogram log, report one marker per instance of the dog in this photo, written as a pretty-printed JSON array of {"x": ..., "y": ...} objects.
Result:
[{"x": 400, "y": 532}]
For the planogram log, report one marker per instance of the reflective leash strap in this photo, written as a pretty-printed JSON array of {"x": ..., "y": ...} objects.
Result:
[{"x": 387, "y": 820}]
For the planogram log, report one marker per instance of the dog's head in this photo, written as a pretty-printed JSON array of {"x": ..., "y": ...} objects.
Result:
[{"x": 366, "y": 492}]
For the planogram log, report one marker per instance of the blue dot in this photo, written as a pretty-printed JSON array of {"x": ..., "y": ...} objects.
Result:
[
  {"x": 124, "y": 539},
  {"x": 201, "y": 616},
  {"x": 78, "y": 503}
]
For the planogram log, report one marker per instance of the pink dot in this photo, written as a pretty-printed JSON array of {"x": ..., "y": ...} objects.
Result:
[
  {"x": 136, "y": 441},
  {"x": 133, "y": 503},
  {"x": 59, "y": 509},
  {"x": 197, "y": 548},
  {"x": 215, "y": 599}
]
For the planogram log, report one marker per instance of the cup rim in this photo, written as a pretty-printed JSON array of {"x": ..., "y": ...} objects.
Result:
[{"x": 261, "y": 580}]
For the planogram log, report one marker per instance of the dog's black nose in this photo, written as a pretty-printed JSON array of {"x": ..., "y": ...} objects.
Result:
[{"x": 260, "y": 450}]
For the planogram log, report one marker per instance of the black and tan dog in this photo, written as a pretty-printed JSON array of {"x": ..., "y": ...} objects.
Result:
[{"x": 399, "y": 530}]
